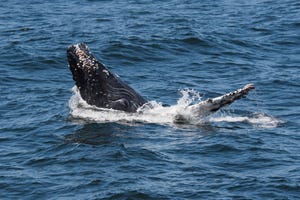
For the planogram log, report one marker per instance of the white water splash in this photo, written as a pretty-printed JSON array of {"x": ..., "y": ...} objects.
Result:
[
  {"x": 154, "y": 112},
  {"x": 259, "y": 120}
]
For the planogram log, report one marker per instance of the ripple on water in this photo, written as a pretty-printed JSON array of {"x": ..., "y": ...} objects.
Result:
[{"x": 248, "y": 151}]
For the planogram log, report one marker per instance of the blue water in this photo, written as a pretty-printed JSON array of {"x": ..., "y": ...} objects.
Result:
[{"x": 249, "y": 150}]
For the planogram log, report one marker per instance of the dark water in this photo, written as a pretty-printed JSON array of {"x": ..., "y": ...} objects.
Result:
[{"x": 158, "y": 47}]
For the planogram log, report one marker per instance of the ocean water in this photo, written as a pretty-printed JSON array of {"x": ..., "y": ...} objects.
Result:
[{"x": 54, "y": 146}]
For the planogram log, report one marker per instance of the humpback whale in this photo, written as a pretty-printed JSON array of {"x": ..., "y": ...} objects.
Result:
[
  {"x": 97, "y": 85},
  {"x": 101, "y": 88}
]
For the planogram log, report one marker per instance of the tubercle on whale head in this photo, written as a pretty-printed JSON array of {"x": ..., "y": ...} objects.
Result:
[
  {"x": 83, "y": 65},
  {"x": 79, "y": 56},
  {"x": 84, "y": 68}
]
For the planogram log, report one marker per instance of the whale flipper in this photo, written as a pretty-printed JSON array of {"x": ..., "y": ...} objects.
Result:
[
  {"x": 209, "y": 106},
  {"x": 97, "y": 85}
]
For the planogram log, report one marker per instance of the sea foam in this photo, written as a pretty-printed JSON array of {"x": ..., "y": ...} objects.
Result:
[{"x": 155, "y": 112}]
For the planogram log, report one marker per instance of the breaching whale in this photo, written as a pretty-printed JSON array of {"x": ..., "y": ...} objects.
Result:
[
  {"x": 97, "y": 85},
  {"x": 101, "y": 88}
]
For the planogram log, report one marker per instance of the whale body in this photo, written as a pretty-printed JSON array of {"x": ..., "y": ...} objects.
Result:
[
  {"x": 101, "y": 88},
  {"x": 97, "y": 85}
]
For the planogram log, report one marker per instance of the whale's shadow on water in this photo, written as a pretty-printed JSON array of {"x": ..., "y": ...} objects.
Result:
[
  {"x": 107, "y": 133},
  {"x": 98, "y": 133}
]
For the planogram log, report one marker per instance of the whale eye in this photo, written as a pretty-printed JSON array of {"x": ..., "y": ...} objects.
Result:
[
  {"x": 123, "y": 102},
  {"x": 120, "y": 104}
]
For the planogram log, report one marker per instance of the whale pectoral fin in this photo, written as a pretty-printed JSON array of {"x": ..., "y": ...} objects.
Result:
[{"x": 212, "y": 105}]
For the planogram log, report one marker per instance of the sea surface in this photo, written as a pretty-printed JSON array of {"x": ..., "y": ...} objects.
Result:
[{"x": 171, "y": 52}]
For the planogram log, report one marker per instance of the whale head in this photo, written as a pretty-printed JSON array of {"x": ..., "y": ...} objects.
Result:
[
  {"x": 97, "y": 85},
  {"x": 81, "y": 63}
]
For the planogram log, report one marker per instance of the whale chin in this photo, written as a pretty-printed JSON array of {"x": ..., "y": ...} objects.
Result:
[{"x": 97, "y": 85}]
